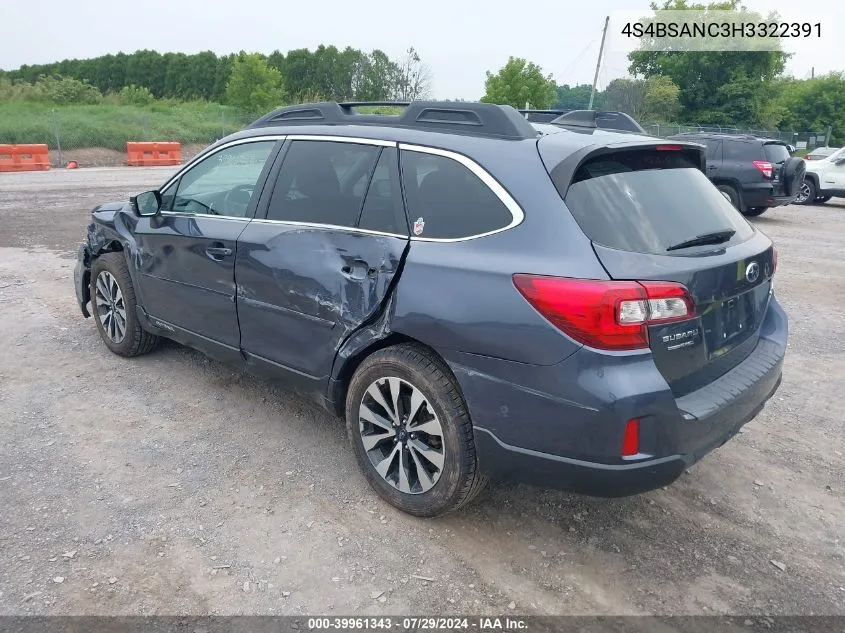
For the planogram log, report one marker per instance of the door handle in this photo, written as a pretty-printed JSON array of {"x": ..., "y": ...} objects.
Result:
[
  {"x": 712, "y": 167},
  {"x": 357, "y": 270},
  {"x": 217, "y": 253}
]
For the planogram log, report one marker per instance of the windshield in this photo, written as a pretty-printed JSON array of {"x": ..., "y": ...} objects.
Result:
[
  {"x": 840, "y": 153},
  {"x": 647, "y": 201}
]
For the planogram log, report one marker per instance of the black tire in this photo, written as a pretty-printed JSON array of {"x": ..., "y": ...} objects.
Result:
[
  {"x": 807, "y": 193},
  {"x": 732, "y": 195},
  {"x": 823, "y": 199},
  {"x": 459, "y": 479},
  {"x": 136, "y": 340},
  {"x": 753, "y": 212}
]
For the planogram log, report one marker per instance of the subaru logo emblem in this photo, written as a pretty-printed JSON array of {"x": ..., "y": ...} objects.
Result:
[{"x": 752, "y": 272}]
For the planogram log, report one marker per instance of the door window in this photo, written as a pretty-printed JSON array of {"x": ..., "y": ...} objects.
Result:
[
  {"x": 742, "y": 150},
  {"x": 222, "y": 184},
  {"x": 383, "y": 209},
  {"x": 714, "y": 149},
  {"x": 323, "y": 182}
]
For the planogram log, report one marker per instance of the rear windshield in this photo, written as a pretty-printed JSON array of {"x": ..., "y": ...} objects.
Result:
[
  {"x": 776, "y": 153},
  {"x": 646, "y": 201}
]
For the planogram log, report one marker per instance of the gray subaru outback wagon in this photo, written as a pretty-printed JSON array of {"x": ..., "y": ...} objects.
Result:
[{"x": 479, "y": 297}]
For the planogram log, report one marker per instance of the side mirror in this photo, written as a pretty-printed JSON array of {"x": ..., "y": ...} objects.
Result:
[
  {"x": 840, "y": 162},
  {"x": 146, "y": 204}
]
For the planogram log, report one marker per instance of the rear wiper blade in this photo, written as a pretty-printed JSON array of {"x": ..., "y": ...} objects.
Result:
[{"x": 715, "y": 237}]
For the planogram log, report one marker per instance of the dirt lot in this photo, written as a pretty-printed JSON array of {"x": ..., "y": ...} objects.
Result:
[{"x": 171, "y": 484}]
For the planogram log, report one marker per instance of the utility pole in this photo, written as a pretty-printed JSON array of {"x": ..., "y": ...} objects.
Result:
[
  {"x": 812, "y": 72},
  {"x": 598, "y": 63}
]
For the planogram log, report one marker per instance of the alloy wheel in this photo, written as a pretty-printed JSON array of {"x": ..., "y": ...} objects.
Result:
[
  {"x": 402, "y": 435},
  {"x": 111, "y": 310},
  {"x": 803, "y": 193}
]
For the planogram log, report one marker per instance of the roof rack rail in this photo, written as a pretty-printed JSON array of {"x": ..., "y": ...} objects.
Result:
[
  {"x": 599, "y": 119},
  {"x": 470, "y": 118}
]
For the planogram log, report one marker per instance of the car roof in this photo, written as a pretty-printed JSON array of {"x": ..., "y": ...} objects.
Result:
[{"x": 740, "y": 138}]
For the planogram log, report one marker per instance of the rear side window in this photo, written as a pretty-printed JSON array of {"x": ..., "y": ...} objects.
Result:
[
  {"x": 742, "y": 150},
  {"x": 646, "y": 201},
  {"x": 776, "y": 153},
  {"x": 446, "y": 200},
  {"x": 323, "y": 182}
]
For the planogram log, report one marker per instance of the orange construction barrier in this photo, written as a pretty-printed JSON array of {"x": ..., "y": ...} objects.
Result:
[
  {"x": 24, "y": 158},
  {"x": 153, "y": 154}
]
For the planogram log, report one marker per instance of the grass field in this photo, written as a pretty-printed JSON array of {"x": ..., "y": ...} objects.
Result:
[{"x": 111, "y": 125}]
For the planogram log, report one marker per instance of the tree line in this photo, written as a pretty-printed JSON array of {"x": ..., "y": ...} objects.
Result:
[
  {"x": 325, "y": 73},
  {"x": 725, "y": 88}
]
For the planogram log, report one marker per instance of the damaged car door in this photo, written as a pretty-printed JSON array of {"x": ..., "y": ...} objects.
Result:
[
  {"x": 187, "y": 251},
  {"x": 321, "y": 260}
]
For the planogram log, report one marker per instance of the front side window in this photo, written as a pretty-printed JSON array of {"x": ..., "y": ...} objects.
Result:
[
  {"x": 323, "y": 182},
  {"x": 221, "y": 184},
  {"x": 446, "y": 200}
]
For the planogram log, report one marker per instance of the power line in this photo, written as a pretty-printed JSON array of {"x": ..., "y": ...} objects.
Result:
[{"x": 581, "y": 54}]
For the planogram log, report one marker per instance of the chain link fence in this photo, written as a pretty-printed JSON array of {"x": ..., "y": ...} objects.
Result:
[{"x": 800, "y": 140}]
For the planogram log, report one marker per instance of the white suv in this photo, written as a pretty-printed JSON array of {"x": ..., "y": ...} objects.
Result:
[{"x": 824, "y": 179}]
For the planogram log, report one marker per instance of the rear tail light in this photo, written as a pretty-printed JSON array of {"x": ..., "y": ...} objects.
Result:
[
  {"x": 668, "y": 148},
  {"x": 611, "y": 315},
  {"x": 631, "y": 439},
  {"x": 765, "y": 167}
]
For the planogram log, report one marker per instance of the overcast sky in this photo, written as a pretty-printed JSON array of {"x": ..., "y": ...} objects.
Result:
[{"x": 458, "y": 39}]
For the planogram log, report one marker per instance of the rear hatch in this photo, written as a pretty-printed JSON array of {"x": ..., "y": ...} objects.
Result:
[
  {"x": 652, "y": 215},
  {"x": 776, "y": 154}
]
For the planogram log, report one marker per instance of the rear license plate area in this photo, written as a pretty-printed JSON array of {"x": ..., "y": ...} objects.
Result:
[{"x": 736, "y": 317}]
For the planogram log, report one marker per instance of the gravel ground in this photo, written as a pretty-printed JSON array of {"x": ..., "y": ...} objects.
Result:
[{"x": 171, "y": 484}]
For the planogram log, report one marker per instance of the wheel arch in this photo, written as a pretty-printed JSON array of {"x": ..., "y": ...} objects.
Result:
[
  {"x": 112, "y": 246},
  {"x": 728, "y": 182},
  {"x": 814, "y": 178},
  {"x": 354, "y": 352}
]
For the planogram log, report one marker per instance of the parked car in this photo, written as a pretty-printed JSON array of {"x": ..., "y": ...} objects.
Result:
[
  {"x": 580, "y": 309},
  {"x": 820, "y": 152},
  {"x": 754, "y": 174},
  {"x": 825, "y": 178}
]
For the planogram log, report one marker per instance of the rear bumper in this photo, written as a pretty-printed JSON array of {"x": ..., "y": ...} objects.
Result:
[
  {"x": 763, "y": 196},
  {"x": 572, "y": 440},
  {"x": 504, "y": 462}
]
